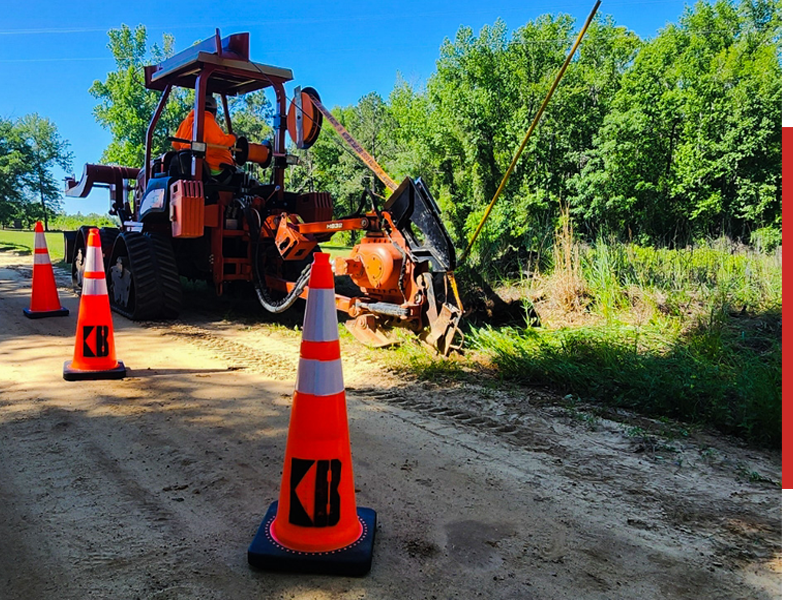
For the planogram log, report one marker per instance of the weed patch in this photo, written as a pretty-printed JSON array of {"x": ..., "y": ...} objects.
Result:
[
  {"x": 709, "y": 374},
  {"x": 692, "y": 334}
]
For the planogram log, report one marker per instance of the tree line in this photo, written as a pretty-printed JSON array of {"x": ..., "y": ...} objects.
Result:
[{"x": 660, "y": 141}]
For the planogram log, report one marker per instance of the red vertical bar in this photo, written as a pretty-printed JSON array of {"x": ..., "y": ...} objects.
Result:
[{"x": 787, "y": 309}]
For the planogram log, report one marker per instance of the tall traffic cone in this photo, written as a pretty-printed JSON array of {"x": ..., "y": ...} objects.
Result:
[
  {"x": 315, "y": 526},
  {"x": 44, "y": 295},
  {"x": 94, "y": 356}
]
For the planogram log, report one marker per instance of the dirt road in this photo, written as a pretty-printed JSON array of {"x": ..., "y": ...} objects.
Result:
[{"x": 153, "y": 486}]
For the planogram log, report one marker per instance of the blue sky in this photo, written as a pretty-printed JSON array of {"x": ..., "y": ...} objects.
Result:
[{"x": 52, "y": 51}]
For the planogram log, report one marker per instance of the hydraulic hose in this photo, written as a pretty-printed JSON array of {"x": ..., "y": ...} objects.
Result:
[{"x": 272, "y": 306}]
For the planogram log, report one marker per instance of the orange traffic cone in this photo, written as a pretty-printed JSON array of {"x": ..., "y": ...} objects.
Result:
[
  {"x": 94, "y": 357},
  {"x": 315, "y": 526},
  {"x": 44, "y": 295}
]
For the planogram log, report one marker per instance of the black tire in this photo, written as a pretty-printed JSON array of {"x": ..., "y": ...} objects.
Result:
[
  {"x": 143, "y": 280},
  {"x": 69, "y": 245}
]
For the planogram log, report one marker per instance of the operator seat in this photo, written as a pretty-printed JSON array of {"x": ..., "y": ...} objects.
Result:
[{"x": 181, "y": 167}]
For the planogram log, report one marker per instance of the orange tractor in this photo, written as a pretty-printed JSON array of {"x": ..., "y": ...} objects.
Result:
[{"x": 176, "y": 219}]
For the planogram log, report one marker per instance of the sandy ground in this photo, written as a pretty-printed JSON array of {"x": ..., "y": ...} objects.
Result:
[{"x": 153, "y": 486}]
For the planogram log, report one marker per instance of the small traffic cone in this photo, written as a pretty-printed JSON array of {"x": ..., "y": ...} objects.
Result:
[
  {"x": 315, "y": 526},
  {"x": 94, "y": 357},
  {"x": 44, "y": 295}
]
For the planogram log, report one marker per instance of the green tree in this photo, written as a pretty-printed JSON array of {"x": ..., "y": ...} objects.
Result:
[
  {"x": 251, "y": 116},
  {"x": 30, "y": 147},
  {"x": 126, "y": 106},
  {"x": 47, "y": 150},
  {"x": 692, "y": 144},
  {"x": 14, "y": 164},
  {"x": 662, "y": 140},
  {"x": 461, "y": 131}
]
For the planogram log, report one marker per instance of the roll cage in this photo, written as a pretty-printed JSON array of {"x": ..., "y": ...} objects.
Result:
[{"x": 222, "y": 66}]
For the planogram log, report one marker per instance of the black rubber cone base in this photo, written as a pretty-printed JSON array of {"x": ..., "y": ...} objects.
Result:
[
  {"x": 71, "y": 374},
  {"x": 354, "y": 560},
  {"x": 40, "y": 314}
]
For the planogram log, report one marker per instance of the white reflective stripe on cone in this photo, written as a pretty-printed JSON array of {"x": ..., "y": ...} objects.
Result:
[
  {"x": 319, "y": 324},
  {"x": 94, "y": 261},
  {"x": 39, "y": 242},
  {"x": 319, "y": 377},
  {"x": 94, "y": 287},
  {"x": 41, "y": 258}
]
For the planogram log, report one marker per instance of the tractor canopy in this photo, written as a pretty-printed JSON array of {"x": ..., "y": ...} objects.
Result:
[{"x": 226, "y": 60}]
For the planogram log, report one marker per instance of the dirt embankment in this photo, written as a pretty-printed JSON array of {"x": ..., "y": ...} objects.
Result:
[{"x": 153, "y": 486}]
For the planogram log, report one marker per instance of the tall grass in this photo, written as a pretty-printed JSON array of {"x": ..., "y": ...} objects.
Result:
[
  {"x": 705, "y": 375},
  {"x": 692, "y": 334},
  {"x": 566, "y": 285}
]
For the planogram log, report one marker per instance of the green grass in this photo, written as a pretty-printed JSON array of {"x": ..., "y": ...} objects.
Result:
[
  {"x": 412, "y": 356},
  {"x": 335, "y": 250},
  {"x": 710, "y": 374},
  {"x": 73, "y": 222},
  {"x": 22, "y": 241},
  {"x": 692, "y": 334}
]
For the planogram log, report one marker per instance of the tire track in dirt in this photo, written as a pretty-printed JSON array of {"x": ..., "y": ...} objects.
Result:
[
  {"x": 240, "y": 356},
  {"x": 592, "y": 506},
  {"x": 740, "y": 534},
  {"x": 515, "y": 434},
  {"x": 745, "y": 536},
  {"x": 739, "y": 537}
]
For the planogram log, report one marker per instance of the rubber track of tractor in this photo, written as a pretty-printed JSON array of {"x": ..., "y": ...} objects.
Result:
[
  {"x": 156, "y": 282},
  {"x": 107, "y": 237},
  {"x": 143, "y": 279},
  {"x": 169, "y": 280}
]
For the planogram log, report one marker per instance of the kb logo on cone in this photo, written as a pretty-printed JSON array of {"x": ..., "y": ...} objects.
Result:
[
  {"x": 94, "y": 356},
  {"x": 323, "y": 497},
  {"x": 100, "y": 337}
]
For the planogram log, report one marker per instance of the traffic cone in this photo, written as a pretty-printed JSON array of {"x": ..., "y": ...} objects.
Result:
[
  {"x": 94, "y": 357},
  {"x": 44, "y": 295},
  {"x": 315, "y": 526}
]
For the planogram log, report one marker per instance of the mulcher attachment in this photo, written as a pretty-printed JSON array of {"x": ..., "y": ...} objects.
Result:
[
  {"x": 411, "y": 203},
  {"x": 418, "y": 218}
]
